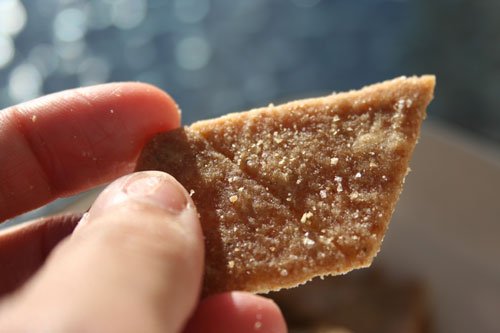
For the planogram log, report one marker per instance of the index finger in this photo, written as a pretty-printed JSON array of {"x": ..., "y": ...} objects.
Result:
[{"x": 70, "y": 141}]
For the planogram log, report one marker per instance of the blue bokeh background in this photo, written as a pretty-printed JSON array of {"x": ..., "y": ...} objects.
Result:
[{"x": 217, "y": 56}]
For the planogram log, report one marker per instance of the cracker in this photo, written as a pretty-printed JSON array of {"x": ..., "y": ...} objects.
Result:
[{"x": 286, "y": 193}]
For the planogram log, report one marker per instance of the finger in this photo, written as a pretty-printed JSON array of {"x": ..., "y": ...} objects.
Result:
[
  {"x": 70, "y": 141},
  {"x": 135, "y": 265},
  {"x": 24, "y": 248},
  {"x": 237, "y": 312}
]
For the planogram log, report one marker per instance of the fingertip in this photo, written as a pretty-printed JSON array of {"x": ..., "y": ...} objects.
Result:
[
  {"x": 150, "y": 190},
  {"x": 237, "y": 312},
  {"x": 155, "y": 92},
  {"x": 154, "y": 95},
  {"x": 157, "y": 103},
  {"x": 83, "y": 137}
]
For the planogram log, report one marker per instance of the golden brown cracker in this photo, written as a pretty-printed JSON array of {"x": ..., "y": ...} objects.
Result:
[{"x": 286, "y": 193}]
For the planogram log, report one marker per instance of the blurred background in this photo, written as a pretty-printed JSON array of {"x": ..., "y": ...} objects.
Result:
[{"x": 219, "y": 56}]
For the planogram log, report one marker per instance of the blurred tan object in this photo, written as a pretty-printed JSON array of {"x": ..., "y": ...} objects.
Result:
[
  {"x": 362, "y": 301},
  {"x": 446, "y": 229},
  {"x": 331, "y": 330},
  {"x": 321, "y": 329}
]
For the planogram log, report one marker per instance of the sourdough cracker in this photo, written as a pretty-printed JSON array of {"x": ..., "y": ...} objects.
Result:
[{"x": 289, "y": 192}]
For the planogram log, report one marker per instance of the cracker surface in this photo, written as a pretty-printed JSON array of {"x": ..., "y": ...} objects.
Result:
[{"x": 289, "y": 192}]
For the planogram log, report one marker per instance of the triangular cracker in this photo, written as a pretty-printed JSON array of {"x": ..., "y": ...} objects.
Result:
[{"x": 286, "y": 193}]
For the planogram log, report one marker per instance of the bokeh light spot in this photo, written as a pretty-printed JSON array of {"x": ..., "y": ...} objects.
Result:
[
  {"x": 191, "y": 11},
  {"x": 70, "y": 25},
  {"x": 128, "y": 14},
  {"x": 12, "y": 17},
  {"x": 25, "y": 83},
  {"x": 193, "y": 53},
  {"x": 7, "y": 50}
]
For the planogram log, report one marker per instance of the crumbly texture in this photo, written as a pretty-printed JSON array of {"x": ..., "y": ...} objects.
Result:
[{"x": 286, "y": 193}]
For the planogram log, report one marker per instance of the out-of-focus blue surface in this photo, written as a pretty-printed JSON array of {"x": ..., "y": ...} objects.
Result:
[
  {"x": 218, "y": 56},
  {"x": 212, "y": 56}
]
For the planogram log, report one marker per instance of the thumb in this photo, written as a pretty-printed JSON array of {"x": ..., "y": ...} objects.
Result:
[{"x": 133, "y": 264}]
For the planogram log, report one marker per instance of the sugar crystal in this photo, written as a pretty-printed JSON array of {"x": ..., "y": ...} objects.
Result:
[
  {"x": 305, "y": 216},
  {"x": 308, "y": 242}
]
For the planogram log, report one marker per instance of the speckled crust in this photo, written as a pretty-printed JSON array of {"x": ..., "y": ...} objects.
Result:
[{"x": 286, "y": 193}]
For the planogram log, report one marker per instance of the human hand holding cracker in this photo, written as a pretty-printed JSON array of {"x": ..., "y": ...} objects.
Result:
[
  {"x": 283, "y": 194},
  {"x": 135, "y": 261}
]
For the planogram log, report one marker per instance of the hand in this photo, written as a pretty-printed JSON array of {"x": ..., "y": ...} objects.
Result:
[{"x": 135, "y": 261}]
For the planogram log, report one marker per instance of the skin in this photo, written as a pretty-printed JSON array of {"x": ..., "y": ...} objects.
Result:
[{"x": 135, "y": 261}]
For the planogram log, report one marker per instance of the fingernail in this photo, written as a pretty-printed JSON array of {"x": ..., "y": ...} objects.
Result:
[
  {"x": 150, "y": 187},
  {"x": 157, "y": 189}
]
